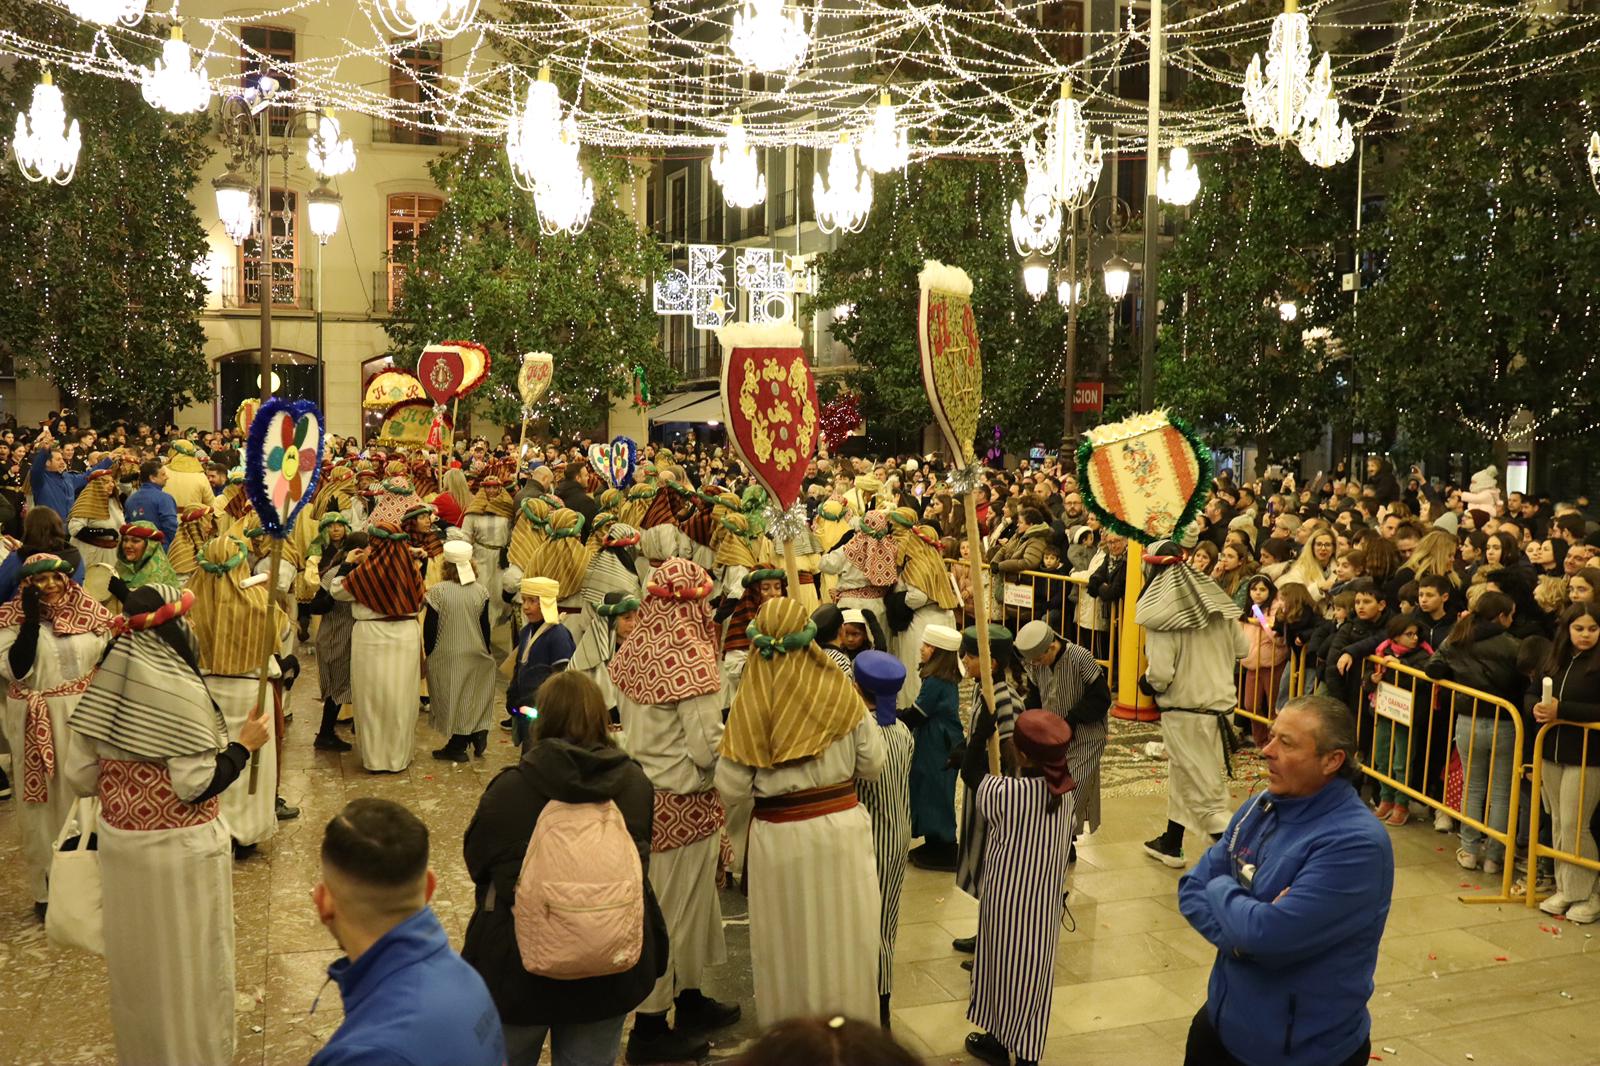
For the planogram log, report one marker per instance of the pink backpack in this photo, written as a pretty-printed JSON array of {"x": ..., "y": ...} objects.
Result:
[{"x": 579, "y": 907}]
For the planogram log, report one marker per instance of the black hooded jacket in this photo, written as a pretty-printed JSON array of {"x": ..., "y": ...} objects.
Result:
[{"x": 496, "y": 841}]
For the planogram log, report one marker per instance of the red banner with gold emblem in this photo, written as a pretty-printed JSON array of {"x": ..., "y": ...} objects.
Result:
[{"x": 769, "y": 398}]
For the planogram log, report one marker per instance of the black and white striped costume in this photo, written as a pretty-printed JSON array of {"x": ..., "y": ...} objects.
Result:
[{"x": 888, "y": 800}]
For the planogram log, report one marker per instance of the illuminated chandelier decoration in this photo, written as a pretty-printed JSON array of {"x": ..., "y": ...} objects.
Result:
[
  {"x": 108, "y": 12},
  {"x": 426, "y": 19},
  {"x": 1594, "y": 160},
  {"x": 542, "y": 147},
  {"x": 1326, "y": 140},
  {"x": 1179, "y": 181},
  {"x": 885, "y": 145},
  {"x": 768, "y": 38},
  {"x": 843, "y": 203},
  {"x": 733, "y": 164},
  {"x": 171, "y": 84},
  {"x": 45, "y": 145},
  {"x": 1287, "y": 96},
  {"x": 1071, "y": 163},
  {"x": 328, "y": 152},
  {"x": 1036, "y": 218}
]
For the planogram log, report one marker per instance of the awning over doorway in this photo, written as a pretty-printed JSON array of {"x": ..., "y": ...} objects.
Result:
[{"x": 703, "y": 405}]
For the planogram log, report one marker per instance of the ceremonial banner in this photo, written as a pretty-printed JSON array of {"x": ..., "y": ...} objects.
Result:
[
  {"x": 408, "y": 422},
  {"x": 474, "y": 362},
  {"x": 388, "y": 387},
  {"x": 283, "y": 462},
  {"x": 1146, "y": 477},
  {"x": 952, "y": 365},
  {"x": 615, "y": 462},
  {"x": 442, "y": 372},
  {"x": 534, "y": 377},
  {"x": 769, "y": 403},
  {"x": 245, "y": 415}
]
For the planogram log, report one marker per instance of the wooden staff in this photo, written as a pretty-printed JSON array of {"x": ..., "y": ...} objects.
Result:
[
  {"x": 266, "y": 658},
  {"x": 791, "y": 567},
  {"x": 980, "y": 612}
]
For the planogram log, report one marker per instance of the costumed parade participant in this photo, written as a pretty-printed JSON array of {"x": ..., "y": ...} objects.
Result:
[
  {"x": 236, "y": 631},
  {"x": 149, "y": 742},
  {"x": 974, "y": 760},
  {"x": 925, "y": 591},
  {"x": 187, "y": 483},
  {"x": 612, "y": 560},
  {"x": 880, "y": 676},
  {"x": 487, "y": 525},
  {"x": 935, "y": 721},
  {"x": 798, "y": 738},
  {"x": 51, "y": 636},
  {"x": 195, "y": 526},
  {"x": 385, "y": 586},
  {"x": 462, "y": 675},
  {"x": 669, "y": 690},
  {"x": 735, "y": 615},
  {"x": 327, "y": 553},
  {"x": 95, "y": 518},
  {"x": 865, "y": 567},
  {"x": 604, "y": 626},
  {"x": 829, "y": 620},
  {"x": 1072, "y": 685},
  {"x": 564, "y": 559},
  {"x": 141, "y": 560},
  {"x": 544, "y": 646}
]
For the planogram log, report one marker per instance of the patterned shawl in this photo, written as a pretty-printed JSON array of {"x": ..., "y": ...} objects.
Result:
[
  {"x": 72, "y": 614},
  {"x": 387, "y": 582},
  {"x": 1175, "y": 596},
  {"x": 338, "y": 485},
  {"x": 147, "y": 696},
  {"x": 152, "y": 567},
  {"x": 564, "y": 557},
  {"x": 395, "y": 500},
  {"x": 924, "y": 569},
  {"x": 528, "y": 535},
  {"x": 233, "y": 622},
  {"x": 492, "y": 498},
  {"x": 93, "y": 504},
  {"x": 793, "y": 702},
  {"x": 672, "y": 654},
  {"x": 871, "y": 550}
]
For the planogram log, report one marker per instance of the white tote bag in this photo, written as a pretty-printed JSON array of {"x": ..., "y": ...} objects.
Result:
[{"x": 74, "y": 919}]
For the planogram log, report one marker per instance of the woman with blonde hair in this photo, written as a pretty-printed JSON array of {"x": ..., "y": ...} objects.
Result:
[{"x": 1313, "y": 568}]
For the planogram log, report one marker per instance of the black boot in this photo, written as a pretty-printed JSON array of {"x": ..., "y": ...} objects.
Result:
[
  {"x": 327, "y": 739},
  {"x": 698, "y": 1012},
  {"x": 986, "y": 1047},
  {"x": 651, "y": 1041},
  {"x": 935, "y": 855},
  {"x": 455, "y": 750},
  {"x": 480, "y": 742}
]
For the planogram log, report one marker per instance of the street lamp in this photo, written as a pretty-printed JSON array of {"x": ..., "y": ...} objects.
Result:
[
  {"x": 323, "y": 208},
  {"x": 1068, "y": 290},
  {"x": 1036, "y": 275},
  {"x": 1117, "y": 273},
  {"x": 235, "y": 204}
]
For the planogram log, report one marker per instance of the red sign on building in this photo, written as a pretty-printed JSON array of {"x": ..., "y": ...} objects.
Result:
[{"x": 1089, "y": 396}]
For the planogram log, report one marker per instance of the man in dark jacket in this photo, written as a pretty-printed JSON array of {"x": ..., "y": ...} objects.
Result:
[
  {"x": 408, "y": 999},
  {"x": 151, "y": 503},
  {"x": 54, "y": 486},
  {"x": 1294, "y": 897},
  {"x": 573, "y": 496}
]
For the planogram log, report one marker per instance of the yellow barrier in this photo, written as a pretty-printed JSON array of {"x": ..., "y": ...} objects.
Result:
[
  {"x": 1260, "y": 690},
  {"x": 1568, "y": 820},
  {"x": 1037, "y": 594}
]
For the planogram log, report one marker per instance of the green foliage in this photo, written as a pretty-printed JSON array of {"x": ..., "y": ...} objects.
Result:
[
  {"x": 1261, "y": 231},
  {"x": 98, "y": 290},
  {"x": 483, "y": 271},
  {"x": 1491, "y": 267},
  {"x": 956, "y": 211}
]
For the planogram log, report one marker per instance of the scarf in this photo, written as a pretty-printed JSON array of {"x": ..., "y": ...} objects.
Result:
[
  {"x": 74, "y": 613},
  {"x": 387, "y": 582},
  {"x": 196, "y": 528},
  {"x": 146, "y": 696},
  {"x": 832, "y": 522},
  {"x": 871, "y": 551},
  {"x": 672, "y": 654},
  {"x": 924, "y": 568},
  {"x": 529, "y": 533},
  {"x": 395, "y": 500},
  {"x": 152, "y": 567},
  {"x": 564, "y": 557},
  {"x": 1176, "y": 597},
  {"x": 337, "y": 486},
  {"x": 492, "y": 498},
  {"x": 736, "y": 548},
  {"x": 93, "y": 504},
  {"x": 793, "y": 702},
  {"x": 233, "y": 623}
]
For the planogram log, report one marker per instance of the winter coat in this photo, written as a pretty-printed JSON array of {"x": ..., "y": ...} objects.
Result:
[
  {"x": 1343, "y": 686},
  {"x": 496, "y": 842},
  {"x": 1488, "y": 664},
  {"x": 1577, "y": 692}
]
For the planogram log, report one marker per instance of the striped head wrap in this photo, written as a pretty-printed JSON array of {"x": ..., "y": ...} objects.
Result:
[
  {"x": 793, "y": 702},
  {"x": 736, "y": 548},
  {"x": 492, "y": 498},
  {"x": 563, "y": 557},
  {"x": 237, "y": 626},
  {"x": 1176, "y": 596},
  {"x": 93, "y": 504},
  {"x": 529, "y": 533},
  {"x": 387, "y": 582},
  {"x": 923, "y": 568}
]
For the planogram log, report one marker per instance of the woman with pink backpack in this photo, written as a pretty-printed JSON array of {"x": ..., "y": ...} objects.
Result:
[{"x": 565, "y": 930}]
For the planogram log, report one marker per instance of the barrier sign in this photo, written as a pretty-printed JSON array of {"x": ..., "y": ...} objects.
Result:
[{"x": 1393, "y": 703}]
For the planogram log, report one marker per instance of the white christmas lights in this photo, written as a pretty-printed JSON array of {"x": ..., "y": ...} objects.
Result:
[
  {"x": 734, "y": 166},
  {"x": 1278, "y": 101},
  {"x": 1071, "y": 162},
  {"x": 845, "y": 199},
  {"x": 46, "y": 144},
  {"x": 424, "y": 19},
  {"x": 1326, "y": 140},
  {"x": 1179, "y": 181},
  {"x": 1594, "y": 159},
  {"x": 768, "y": 37},
  {"x": 171, "y": 84},
  {"x": 108, "y": 12},
  {"x": 328, "y": 152},
  {"x": 1036, "y": 218},
  {"x": 885, "y": 145}
]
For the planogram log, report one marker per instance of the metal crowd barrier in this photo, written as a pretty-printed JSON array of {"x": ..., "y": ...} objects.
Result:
[
  {"x": 1568, "y": 822},
  {"x": 1031, "y": 594},
  {"x": 1262, "y": 690}
]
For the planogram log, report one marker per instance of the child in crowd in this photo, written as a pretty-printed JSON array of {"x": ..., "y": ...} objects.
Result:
[
  {"x": 935, "y": 721},
  {"x": 1263, "y": 665},
  {"x": 1339, "y": 612},
  {"x": 1050, "y": 595},
  {"x": 1348, "y": 566},
  {"x": 1369, "y": 615},
  {"x": 1391, "y": 740},
  {"x": 1408, "y": 598}
]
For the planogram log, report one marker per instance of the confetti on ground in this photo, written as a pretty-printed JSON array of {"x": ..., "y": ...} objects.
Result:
[
  {"x": 1390, "y": 1051},
  {"x": 1470, "y": 1058},
  {"x": 1501, "y": 958},
  {"x": 1432, "y": 956},
  {"x": 1566, "y": 995}
]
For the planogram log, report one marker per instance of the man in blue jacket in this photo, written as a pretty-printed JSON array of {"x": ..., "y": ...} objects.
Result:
[
  {"x": 150, "y": 502},
  {"x": 409, "y": 1000},
  {"x": 1294, "y": 896},
  {"x": 53, "y": 485}
]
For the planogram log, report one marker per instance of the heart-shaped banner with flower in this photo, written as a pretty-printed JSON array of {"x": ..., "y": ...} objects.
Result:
[{"x": 283, "y": 462}]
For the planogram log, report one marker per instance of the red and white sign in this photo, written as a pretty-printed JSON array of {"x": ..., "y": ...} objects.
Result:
[{"x": 1089, "y": 396}]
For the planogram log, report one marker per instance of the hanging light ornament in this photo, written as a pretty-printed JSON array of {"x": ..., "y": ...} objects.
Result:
[
  {"x": 328, "y": 152},
  {"x": 1036, "y": 275},
  {"x": 563, "y": 194},
  {"x": 171, "y": 84},
  {"x": 45, "y": 145},
  {"x": 1118, "y": 272},
  {"x": 1179, "y": 181},
  {"x": 425, "y": 19},
  {"x": 1594, "y": 160},
  {"x": 1070, "y": 161},
  {"x": 885, "y": 145},
  {"x": 733, "y": 164},
  {"x": 530, "y": 133},
  {"x": 1279, "y": 102},
  {"x": 1325, "y": 140},
  {"x": 108, "y": 12},
  {"x": 1036, "y": 218},
  {"x": 843, "y": 203},
  {"x": 1068, "y": 292},
  {"x": 768, "y": 37}
]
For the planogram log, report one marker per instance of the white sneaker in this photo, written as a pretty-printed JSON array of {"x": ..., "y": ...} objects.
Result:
[
  {"x": 1585, "y": 912},
  {"x": 1555, "y": 904},
  {"x": 1491, "y": 866},
  {"x": 1442, "y": 822},
  {"x": 1467, "y": 860}
]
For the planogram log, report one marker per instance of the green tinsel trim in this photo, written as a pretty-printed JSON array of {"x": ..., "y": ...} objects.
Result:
[
  {"x": 770, "y": 646},
  {"x": 1203, "y": 467}
]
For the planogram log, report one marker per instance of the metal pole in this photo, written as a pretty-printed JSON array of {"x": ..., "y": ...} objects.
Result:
[
  {"x": 264, "y": 264},
  {"x": 1147, "y": 346},
  {"x": 321, "y": 406},
  {"x": 1068, "y": 434}
]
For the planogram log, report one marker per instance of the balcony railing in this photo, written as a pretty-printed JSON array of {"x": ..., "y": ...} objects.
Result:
[
  {"x": 386, "y": 132},
  {"x": 292, "y": 287}
]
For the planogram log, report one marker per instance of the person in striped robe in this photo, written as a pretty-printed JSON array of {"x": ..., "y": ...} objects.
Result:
[
  {"x": 880, "y": 677},
  {"x": 1070, "y": 683},
  {"x": 1029, "y": 830}
]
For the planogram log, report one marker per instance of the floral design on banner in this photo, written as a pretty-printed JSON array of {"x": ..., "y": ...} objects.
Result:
[
  {"x": 769, "y": 399},
  {"x": 283, "y": 462},
  {"x": 952, "y": 362},
  {"x": 1146, "y": 477}
]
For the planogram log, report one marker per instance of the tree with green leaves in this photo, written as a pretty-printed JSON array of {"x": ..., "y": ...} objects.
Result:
[
  {"x": 100, "y": 289},
  {"x": 1260, "y": 235},
  {"x": 956, "y": 211},
  {"x": 483, "y": 271}
]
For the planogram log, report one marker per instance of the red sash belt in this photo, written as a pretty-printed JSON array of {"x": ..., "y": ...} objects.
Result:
[
  {"x": 807, "y": 803},
  {"x": 138, "y": 795}
]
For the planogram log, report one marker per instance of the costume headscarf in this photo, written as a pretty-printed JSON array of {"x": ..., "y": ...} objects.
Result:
[
  {"x": 396, "y": 499},
  {"x": 832, "y": 522},
  {"x": 152, "y": 567},
  {"x": 387, "y": 582},
  {"x": 492, "y": 498},
  {"x": 1176, "y": 596},
  {"x": 231, "y": 621},
  {"x": 599, "y": 620},
  {"x": 195, "y": 526},
  {"x": 871, "y": 550},
  {"x": 924, "y": 568},
  {"x": 93, "y": 505},
  {"x": 660, "y": 542},
  {"x": 564, "y": 557},
  {"x": 73, "y": 613},
  {"x": 148, "y": 696},
  {"x": 611, "y": 567},
  {"x": 183, "y": 459},
  {"x": 531, "y": 530},
  {"x": 672, "y": 654},
  {"x": 1044, "y": 738},
  {"x": 319, "y": 547},
  {"x": 793, "y": 702},
  {"x": 737, "y": 546}
]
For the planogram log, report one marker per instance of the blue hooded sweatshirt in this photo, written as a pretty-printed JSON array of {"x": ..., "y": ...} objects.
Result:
[
  {"x": 1293, "y": 974},
  {"x": 412, "y": 1001}
]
